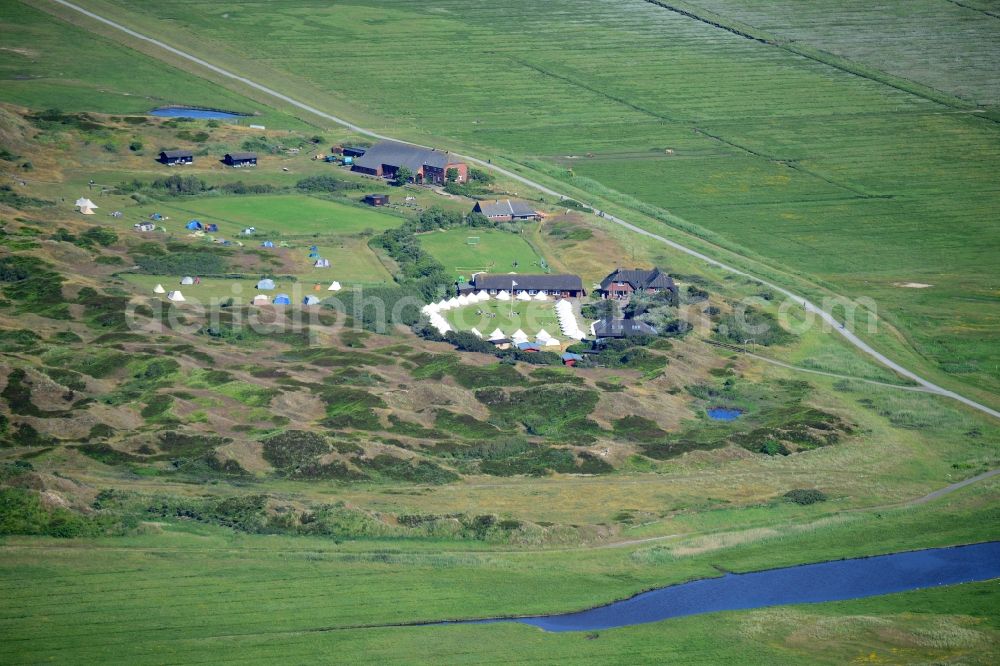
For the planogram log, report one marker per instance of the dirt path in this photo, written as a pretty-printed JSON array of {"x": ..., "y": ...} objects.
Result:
[{"x": 809, "y": 306}]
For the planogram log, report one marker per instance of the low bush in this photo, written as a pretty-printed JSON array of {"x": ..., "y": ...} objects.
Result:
[{"x": 805, "y": 496}]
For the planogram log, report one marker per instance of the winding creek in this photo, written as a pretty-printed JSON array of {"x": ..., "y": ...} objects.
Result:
[{"x": 808, "y": 583}]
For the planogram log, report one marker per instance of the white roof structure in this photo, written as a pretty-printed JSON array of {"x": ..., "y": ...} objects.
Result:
[
  {"x": 334, "y": 286},
  {"x": 84, "y": 202},
  {"x": 542, "y": 335},
  {"x": 497, "y": 334},
  {"x": 176, "y": 296},
  {"x": 475, "y": 332},
  {"x": 187, "y": 280},
  {"x": 502, "y": 295},
  {"x": 261, "y": 299},
  {"x": 483, "y": 295},
  {"x": 158, "y": 289},
  {"x": 551, "y": 342},
  {"x": 519, "y": 336},
  {"x": 523, "y": 296},
  {"x": 540, "y": 296}
]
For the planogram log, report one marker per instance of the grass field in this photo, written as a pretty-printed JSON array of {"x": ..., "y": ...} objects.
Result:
[
  {"x": 496, "y": 251},
  {"x": 530, "y": 317},
  {"x": 258, "y": 597},
  {"x": 278, "y": 215},
  {"x": 829, "y": 169}
]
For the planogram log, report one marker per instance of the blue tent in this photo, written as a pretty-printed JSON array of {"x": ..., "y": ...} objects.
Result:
[
  {"x": 265, "y": 284},
  {"x": 310, "y": 300},
  {"x": 313, "y": 255},
  {"x": 156, "y": 216},
  {"x": 213, "y": 227},
  {"x": 267, "y": 244},
  {"x": 313, "y": 248},
  {"x": 282, "y": 299},
  {"x": 193, "y": 224}
]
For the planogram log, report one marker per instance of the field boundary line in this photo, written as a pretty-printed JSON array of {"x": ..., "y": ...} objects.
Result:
[{"x": 809, "y": 307}]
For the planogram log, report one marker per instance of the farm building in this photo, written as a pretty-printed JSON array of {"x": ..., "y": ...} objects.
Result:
[
  {"x": 144, "y": 226},
  {"x": 622, "y": 283},
  {"x": 622, "y": 328},
  {"x": 172, "y": 157},
  {"x": 427, "y": 165},
  {"x": 377, "y": 199},
  {"x": 563, "y": 286},
  {"x": 506, "y": 210},
  {"x": 237, "y": 160}
]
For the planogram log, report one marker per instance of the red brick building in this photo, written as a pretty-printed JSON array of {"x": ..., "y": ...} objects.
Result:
[
  {"x": 426, "y": 164},
  {"x": 622, "y": 283}
]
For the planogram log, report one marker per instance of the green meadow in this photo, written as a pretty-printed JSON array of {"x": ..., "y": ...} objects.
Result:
[
  {"x": 508, "y": 316},
  {"x": 280, "y": 215},
  {"x": 804, "y": 155},
  {"x": 494, "y": 252}
]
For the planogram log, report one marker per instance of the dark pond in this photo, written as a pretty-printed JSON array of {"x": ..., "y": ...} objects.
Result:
[
  {"x": 186, "y": 112},
  {"x": 723, "y": 414},
  {"x": 810, "y": 583}
]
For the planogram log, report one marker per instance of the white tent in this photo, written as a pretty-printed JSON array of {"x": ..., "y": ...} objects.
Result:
[
  {"x": 85, "y": 205},
  {"x": 519, "y": 336},
  {"x": 475, "y": 332},
  {"x": 551, "y": 342},
  {"x": 454, "y": 303},
  {"x": 334, "y": 286},
  {"x": 176, "y": 296},
  {"x": 542, "y": 335},
  {"x": 502, "y": 295},
  {"x": 497, "y": 335},
  {"x": 540, "y": 296},
  {"x": 463, "y": 300},
  {"x": 483, "y": 295},
  {"x": 187, "y": 280},
  {"x": 310, "y": 300},
  {"x": 261, "y": 299},
  {"x": 322, "y": 263},
  {"x": 564, "y": 306},
  {"x": 265, "y": 284},
  {"x": 523, "y": 296},
  {"x": 158, "y": 289}
]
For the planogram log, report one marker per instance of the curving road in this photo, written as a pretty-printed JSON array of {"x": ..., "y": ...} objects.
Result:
[{"x": 810, "y": 307}]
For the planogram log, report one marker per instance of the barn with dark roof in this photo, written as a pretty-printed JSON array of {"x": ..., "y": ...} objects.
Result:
[
  {"x": 506, "y": 210},
  {"x": 562, "y": 286},
  {"x": 426, "y": 164}
]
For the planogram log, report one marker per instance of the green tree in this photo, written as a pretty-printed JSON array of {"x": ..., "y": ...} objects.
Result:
[
  {"x": 403, "y": 176},
  {"x": 451, "y": 175}
]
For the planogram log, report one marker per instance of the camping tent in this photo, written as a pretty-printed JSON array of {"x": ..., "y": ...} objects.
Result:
[
  {"x": 187, "y": 280},
  {"x": 310, "y": 300},
  {"x": 193, "y": 225},
  {"x": 463, "y": 300},
  {"x": 282, "y": 299},
  {"x": 551, "y": 342},
  {"x": 542, "y": 335},
  {"x": 175, "y": 296},
  {"x": 156, "y": 216},
  {"x": 502, "y": 295},
  {"x": 322, "y": 263},
  {"x": 86, "y": 206},
  {"x": 212, "y": 227},
  {"x": 475, "y": 332},
  {"x": 261, "y": 299},
  {"x": 267, "y": 244},
  {"x": 334, "y": 286},
  {"x": 523, "y": 296},
  {"x": 266, "y": 284},
  {"x": 249, "y": 231},
  {"x": 158, "y": 289},
  {"x": 497, "y": 334},
  {"x": 540, "y": 296},
  {"x": 483, "y": 295},
  {"x": 519, "y": 336},
  {"x": 313, "y": 248}
]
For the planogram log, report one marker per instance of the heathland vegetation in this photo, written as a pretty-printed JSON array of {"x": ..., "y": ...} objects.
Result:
[{"x": 176, "y": 484}]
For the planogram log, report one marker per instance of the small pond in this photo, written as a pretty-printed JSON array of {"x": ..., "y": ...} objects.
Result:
[
  {"x": 723, "y": 414},
  {"x": 189, "y": 112}
]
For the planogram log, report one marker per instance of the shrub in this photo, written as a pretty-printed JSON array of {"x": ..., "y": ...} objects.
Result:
[
  {"x": 805, "y": 496},
  {"x": 294, "y": 448}
]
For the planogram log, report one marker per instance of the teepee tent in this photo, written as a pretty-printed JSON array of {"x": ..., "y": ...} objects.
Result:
[
  {"x": 502, "y": 295},
  {"x": 551, "y": 342},
  {"x": 282, "y": 299},
  {"x": 261, "y": 299},
  {"x": 266, "y": 284},
  {"x": 523, "y": 296},
  {"x": 322, "y": 263},
  {"x": 542, "y": 335},
  {"x": 334, "y": 286},
  {"x": 519, "y": 336},
  {"x": 158, "y": 289},
  {"x": 540, "y": 296},
  {"x": 483, "y": 295},
  {"x": 497, "y": 334},
  {"x": 463, "y": 300},
  {"x": 187, "y": 280},
  {"x": 310, "y": 300},
  {"x": 175, "y": 296},
  {"x": 475, "y": 332}
]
